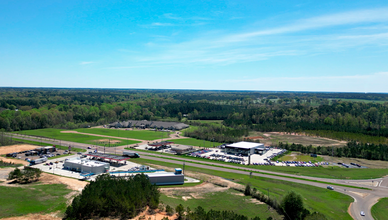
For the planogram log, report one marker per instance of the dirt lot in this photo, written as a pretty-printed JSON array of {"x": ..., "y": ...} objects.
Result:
[
  {"x": 271, "y": 138},
  {"x": 15, "y": 161},
  {"x": 16, "y": 148}
]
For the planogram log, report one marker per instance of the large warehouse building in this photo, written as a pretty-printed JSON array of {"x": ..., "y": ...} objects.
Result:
[
  {"x": 86, "y": 166},
  {"x": 245, "y": 148}
]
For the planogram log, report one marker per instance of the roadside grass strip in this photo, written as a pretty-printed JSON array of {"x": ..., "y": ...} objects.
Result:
[
  {"x": 18, "y": 201},
  {"x": 253, "y": 171},
  {"x": 135, "y": 134},
  {"x": 379, "y": 210},
  {"x": 331, "y": 172},
  {"x": 79, "y": 138},
  {"x": 333, "y": 205}
]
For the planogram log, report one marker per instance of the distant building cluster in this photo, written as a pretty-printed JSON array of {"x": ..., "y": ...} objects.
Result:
[{"x": 149, "y": 124}]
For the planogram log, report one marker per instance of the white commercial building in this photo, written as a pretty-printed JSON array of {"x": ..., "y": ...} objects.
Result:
[
  {"x": 86, "y": 166},
  {"x": 245, "y": 148}
]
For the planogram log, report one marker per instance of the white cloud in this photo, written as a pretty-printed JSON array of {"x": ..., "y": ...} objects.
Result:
[{"x": 86, "y": 62}]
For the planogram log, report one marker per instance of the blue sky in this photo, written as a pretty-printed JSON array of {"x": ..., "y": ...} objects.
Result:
[{"x": 272, "y": 45}]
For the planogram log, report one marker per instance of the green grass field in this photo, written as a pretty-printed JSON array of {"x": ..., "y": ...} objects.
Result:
[
  {"x": 333, "y": 172},
  {"x": 379, "y": 210},
  {"x": 196, "y": 142},
  {"x": 136, "y": 134},
  {"x": 74, "y": 149},
  {"x": 17, "y": 201},
  {"x": 80, "y": 138},
  {"x": 225, "y": 200},
  {"x": 296, "y": 156},
  {"x": 332, "y": 204}
]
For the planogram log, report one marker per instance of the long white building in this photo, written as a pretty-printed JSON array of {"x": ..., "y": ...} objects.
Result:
[{"x": 245, "y": 148}]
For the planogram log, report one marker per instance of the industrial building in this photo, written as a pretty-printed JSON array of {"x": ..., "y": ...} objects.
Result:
[
  {"x": 245, "y": 148},
  {"x": 86, "y": 166},
  {"x": 182, "y": 149},
  {"x": 160, "y": 179}
]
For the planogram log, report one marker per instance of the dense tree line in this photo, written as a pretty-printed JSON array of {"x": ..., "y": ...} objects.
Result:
[
  {"x": 216, "y": 132},
  {"x": 114, "y": 197},
  {"x": 363, "y": 118},
  {"x": 352, "y": 149}
]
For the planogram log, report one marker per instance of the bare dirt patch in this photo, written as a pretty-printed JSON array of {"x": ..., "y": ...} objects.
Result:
[
  {"x": 107, "y": 141},
  {"x": 35, "y": 217},
  {"x": 255, "y": 201},
  {"x": 157, "y": 216},
  {"x": 70, "y": 183},
  {"x": 69, "y": 132},
  {"x": 16, "y": 148},
  {"x": 15, "y": 161}
]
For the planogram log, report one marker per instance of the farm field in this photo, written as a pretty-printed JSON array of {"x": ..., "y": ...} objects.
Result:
[
  {"x": 332, "y": 204},
  {"x": 379, "y": 210},
  {"x": 272, "y": 138},
  {"x": 224, "y": 199},
  {"x": 18, "y": 201},
  {"x": 135, "y": 134},
  {"x": 195, "y": 142},
  {"x": 80, "y": 138}
]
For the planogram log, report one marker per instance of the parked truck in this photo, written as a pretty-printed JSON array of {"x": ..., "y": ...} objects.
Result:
[
  {"x": 131, "y": 154},
  {"x": 37, "y": 161}
]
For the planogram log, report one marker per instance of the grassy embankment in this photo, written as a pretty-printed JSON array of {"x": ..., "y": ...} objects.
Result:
[
  {"x": 17, "y": 201},
  {"x": 225, "y": 200},
  {"x": 135, "y": 134},
  {"x": 332, "y": 204},
  {"x": 379, "y": 210},
  {"x": 80, "y": 138},
  {"x": 332, "y": 172}
]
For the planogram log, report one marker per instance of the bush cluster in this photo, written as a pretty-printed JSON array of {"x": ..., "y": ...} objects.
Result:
[{"x": 27, "y": 175}]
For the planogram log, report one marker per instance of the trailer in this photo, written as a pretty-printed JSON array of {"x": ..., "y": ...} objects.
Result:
[
  {"x": 131, "y": 154},
  {"x": 38, "y": 161}
]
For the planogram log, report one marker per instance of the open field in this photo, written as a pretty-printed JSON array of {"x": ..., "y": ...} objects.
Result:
[
  {"x": 272, "y": 138},
  {"x": 135, "y": 134},
  {"x": 38, "y": 144},
  {"x": 195, "y": 142},
  {"x": 379, "y": 210},
  {"x": 332, "y": 204},
  {"x": 220, "y": 199},
  {"x": 22, "y": 200},
  {"x": 297, "y": 156},
  {"x": 80, "y": 138},
  {"x": 374, "y": 164}
]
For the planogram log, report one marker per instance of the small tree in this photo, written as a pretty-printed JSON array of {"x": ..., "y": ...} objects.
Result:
[
  {"x": 169, "y": 210},
  {"x": 293, "y": 206},
  {"x": 247, "y": 190},
  {"x": 180, "y": 209}
]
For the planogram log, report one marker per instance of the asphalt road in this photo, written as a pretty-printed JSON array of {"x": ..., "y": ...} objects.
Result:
[{"x": 363, "y": 199}]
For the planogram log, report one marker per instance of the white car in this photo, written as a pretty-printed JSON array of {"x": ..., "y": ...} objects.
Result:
[{"x": 362, "y": 213}]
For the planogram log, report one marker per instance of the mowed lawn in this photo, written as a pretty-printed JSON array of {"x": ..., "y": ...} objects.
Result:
[
  {"x": 196, "y": 142},
  {"x": 296, "y": 156},
  {"x": 136, "y": 134},
  {"x": 80, "y": 138},
  {"x": 332, "y": 204},
  {"x": 231, "y": 200},
  {"x": 17, "y": 201},
  {"x": 380, "y": 209}
]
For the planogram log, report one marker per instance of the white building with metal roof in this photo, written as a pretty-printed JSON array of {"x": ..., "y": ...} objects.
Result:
[{"x": 244, "y": 148}]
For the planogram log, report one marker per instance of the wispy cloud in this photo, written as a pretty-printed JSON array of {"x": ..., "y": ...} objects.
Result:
[
  {"x": 86, "y": 62},
  {"x": 221, "y": 48}
]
